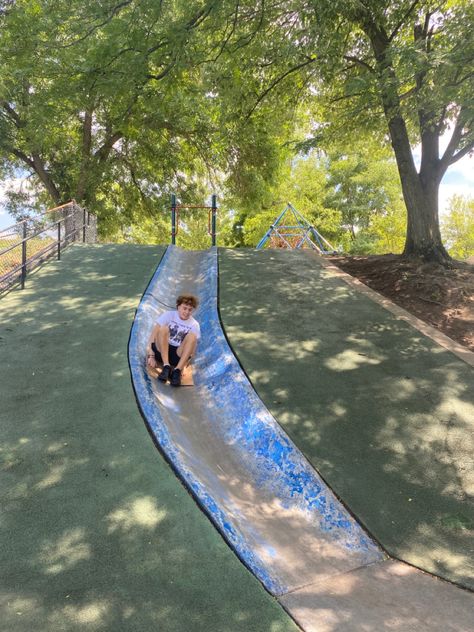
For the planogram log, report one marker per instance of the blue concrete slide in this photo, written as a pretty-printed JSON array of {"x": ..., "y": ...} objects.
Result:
[{"x": 255, "y": 485}]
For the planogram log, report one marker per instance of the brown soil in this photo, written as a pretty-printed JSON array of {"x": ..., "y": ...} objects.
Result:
[{"x": 442, "y": 297}]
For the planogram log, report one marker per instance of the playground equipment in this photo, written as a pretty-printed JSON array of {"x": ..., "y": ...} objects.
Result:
[
  {"x": 255, "y": 485},
  {"x": 211, "y": 223},
  {"x": 298, "y": 234}
]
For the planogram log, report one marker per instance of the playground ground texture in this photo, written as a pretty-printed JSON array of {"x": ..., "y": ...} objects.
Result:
[{"x": 98, "y": 534}]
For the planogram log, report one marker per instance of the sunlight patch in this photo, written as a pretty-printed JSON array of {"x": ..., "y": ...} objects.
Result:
[
  {"x": 142, "y": 512},
  {"x": 93, "y": 613},
  {"x": 53, "y": 477},
  {"x": 67, "y": 551},
  {"x": 349, "y": 361}
]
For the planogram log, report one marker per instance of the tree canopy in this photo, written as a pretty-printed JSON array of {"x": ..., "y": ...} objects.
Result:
[
  {"x": 116, "y": 104},
  {"x": 396, "y": 69}
]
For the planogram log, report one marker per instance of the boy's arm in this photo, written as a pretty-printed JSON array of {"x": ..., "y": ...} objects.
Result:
[
  {"x": 150, "y": 355},
  {"x": 151, "y": 339}
]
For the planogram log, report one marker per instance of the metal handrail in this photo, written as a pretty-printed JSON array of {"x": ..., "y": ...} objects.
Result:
[
  {"x": 19, "y": 271},
  {"x": 28, "y": 219},
  {"x": 25, "y": 239}
]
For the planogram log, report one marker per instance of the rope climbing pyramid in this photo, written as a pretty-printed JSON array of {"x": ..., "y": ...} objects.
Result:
[{"x": 293, "y": 231}]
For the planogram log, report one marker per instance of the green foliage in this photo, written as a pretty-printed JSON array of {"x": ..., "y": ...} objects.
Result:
[
  {"x": 388, "y": 230},
  {"x": 458, "y": 227},
  {"x": 387, "y": 70},
  {"x": 119, "y": 104},
  {"x": 352, "y": 196}
]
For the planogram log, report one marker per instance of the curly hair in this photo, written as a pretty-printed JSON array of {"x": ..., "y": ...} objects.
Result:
[{"x": 187, "y": 299}]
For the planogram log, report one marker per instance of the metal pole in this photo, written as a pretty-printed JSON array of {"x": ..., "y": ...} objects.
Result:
[
  {"x": 84, "y": 226},
  {"x": 214, "y": 218},
  {"x": 23, "y": 257},
  {"x": 59, "y": 240},
  {"x": 173, "y": 219}
]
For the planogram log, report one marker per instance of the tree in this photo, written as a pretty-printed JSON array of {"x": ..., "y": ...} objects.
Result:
[
  {"x": 401, "y": 66},
  {"x": 99, "y": 94},
  {"x": 363, "y": 184},
  {"x": 458, "y": 227}
]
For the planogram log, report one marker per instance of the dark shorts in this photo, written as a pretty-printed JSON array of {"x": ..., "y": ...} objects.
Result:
[{"x": 172, "y": 354}]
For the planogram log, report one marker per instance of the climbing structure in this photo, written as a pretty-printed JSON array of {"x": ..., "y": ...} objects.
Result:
[{"x": 291, "y": 230}]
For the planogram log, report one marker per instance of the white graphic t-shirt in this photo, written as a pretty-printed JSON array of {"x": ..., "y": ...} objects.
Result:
[{"x": 179, "y": 327}]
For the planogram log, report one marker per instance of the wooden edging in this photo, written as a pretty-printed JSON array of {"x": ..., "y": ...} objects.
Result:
[{"x": 428, "y": 330}]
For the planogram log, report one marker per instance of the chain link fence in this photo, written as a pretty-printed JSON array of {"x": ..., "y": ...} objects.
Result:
[{"x": 32, "y": 241}]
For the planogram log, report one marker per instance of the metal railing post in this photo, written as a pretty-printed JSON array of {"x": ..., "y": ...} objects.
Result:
[
  {"x": 59, "y": 240},
  {"x": 23, "y": 257},
  {"x": 84, "y": 226},
  {"x": 173, "y": 219},
  {"x": 214, "y": 219}
]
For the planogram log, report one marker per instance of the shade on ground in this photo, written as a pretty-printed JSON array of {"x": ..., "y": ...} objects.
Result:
[
  {"x": 96, "y": 532},
  {"x": 383, "y": 413}
]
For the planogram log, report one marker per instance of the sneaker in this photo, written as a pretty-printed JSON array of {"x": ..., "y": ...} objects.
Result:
[
  {"x": 176, "y": 378},
  {"x": 165, "y": 373}
]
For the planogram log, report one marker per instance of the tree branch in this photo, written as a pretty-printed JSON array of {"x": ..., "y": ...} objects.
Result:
[
  {"x": 12, "y": 114},
  {"x": 360, "y": 62},
  {"x": 95, "y": 27},
  {"x": 276, "y": 82},
  {"x": 103, "y": 152},
  {"x": 402, "y": 20},
  {"x": 22, "y": 156},
  {"x": 462, "y": 152},
  {"x": 453, "y": 141}
]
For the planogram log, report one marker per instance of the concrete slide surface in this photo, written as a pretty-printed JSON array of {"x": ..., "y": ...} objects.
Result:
[{"x": 261, "y": 492}]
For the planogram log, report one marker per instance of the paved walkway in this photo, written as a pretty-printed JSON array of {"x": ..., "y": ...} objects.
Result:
[{"x": 96, "y": 532}]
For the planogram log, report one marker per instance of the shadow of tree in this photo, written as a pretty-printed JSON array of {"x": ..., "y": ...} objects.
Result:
[
  {"x": 96, "y": 532},
  {"x": 384, "y": 414}
]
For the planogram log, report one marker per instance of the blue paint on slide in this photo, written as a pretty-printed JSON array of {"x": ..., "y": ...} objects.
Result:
[{"x": 237, "y": 416}]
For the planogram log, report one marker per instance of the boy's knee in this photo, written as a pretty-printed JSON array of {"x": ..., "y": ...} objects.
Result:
[{"x": 190, "y": 338}]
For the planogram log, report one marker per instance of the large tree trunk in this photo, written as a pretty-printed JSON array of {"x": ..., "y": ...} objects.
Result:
[
  {"x": 420, "y": 191},
  {"x": 423, "y": 237},
  {"x": 45, "y": 178}
]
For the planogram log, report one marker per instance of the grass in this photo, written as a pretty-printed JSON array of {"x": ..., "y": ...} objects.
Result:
[{"x": 13, "y": 258}]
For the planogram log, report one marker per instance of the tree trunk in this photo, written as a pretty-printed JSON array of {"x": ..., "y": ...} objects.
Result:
[
  {"x": 423, "y": 235},
  {"x": 420, "y": 191},
  {"x": 85, "y": 156},
  {"x": 45, "y": 178}
]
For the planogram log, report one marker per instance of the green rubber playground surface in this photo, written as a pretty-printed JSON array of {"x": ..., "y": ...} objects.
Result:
[
  {"x": 383, "y": 413},
  {"x": 96, "y": 532}
]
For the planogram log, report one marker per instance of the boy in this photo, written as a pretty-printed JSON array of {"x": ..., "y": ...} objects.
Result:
[{"x": 174, "y": 339}]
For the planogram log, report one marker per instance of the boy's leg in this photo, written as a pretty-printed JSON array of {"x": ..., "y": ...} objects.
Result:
[
  {"x": 161, "y": 339},
  {"x": 186, "y": 350}
]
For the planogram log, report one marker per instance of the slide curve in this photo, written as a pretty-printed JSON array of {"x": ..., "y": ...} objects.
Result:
[{"x": 262, "y": 494}]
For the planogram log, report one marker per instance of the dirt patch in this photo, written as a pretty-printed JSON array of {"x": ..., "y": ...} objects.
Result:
[{"x": 442, "y": 297}]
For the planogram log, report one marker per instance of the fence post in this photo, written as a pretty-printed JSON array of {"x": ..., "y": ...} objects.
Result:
[
  {"x": 23, "y": 257},
  {"x": 84, "y": 226},
  {"x": 59, "y": 240},
  {"x": 214, "y": 218},
  {"x": 173, "y": 219}
]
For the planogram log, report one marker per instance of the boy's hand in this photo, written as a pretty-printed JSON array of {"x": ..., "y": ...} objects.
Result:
[{"x": 151, "y": 361}]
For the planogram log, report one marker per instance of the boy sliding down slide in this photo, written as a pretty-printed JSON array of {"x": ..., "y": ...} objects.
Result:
[{"x": 174, "y": 339}]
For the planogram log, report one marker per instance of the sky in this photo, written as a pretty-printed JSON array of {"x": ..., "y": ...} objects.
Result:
[{"x": 459, "y": 179}]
